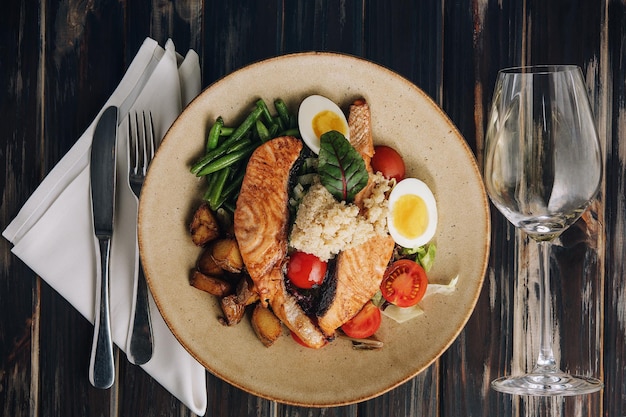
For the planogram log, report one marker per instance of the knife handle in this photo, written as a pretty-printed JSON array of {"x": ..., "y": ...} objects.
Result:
[{"x": 101, "y": 366}]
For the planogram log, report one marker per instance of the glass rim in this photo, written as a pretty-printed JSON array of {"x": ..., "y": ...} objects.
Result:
[{"x": 540, "y": 69}]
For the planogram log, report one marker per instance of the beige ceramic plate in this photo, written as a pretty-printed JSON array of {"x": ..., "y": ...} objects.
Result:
[{"x": 403, "y": 117}]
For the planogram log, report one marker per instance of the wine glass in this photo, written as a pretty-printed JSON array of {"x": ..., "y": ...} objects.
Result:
[{"x": 542, "y": 168}]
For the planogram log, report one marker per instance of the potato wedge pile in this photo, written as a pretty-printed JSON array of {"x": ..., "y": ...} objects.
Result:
[{"x": 220, "y": 271}]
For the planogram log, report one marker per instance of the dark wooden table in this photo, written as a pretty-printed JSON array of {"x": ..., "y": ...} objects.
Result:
[{"x": 61, "y": 59}]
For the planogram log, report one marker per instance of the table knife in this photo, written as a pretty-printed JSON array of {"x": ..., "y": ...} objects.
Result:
[{"x": 102, "y": 170}]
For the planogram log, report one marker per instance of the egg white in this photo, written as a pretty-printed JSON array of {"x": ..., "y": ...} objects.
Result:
[
  {"x": 418, "y": 188},
  {"x": 309, "y": 108}
]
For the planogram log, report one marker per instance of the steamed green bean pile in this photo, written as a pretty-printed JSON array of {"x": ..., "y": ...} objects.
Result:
[{"x": 228, "y": 149}]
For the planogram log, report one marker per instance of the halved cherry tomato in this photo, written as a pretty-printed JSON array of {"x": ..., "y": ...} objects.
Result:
[
  {"x": 306, "y": 270},
  {"x": 389, "y": 162},
  {"x": 404, "y": 283},
  {"x": 365, "y": 323}
]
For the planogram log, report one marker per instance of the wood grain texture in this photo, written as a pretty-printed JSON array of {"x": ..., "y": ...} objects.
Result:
[
  {"x": 61, "y": 59},
  {"x": 614, "y": 336},
  {"x": 20, "y": 154}
]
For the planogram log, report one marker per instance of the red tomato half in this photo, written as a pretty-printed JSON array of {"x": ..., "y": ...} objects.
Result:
[
  {"x": 404, "y": 283},
  {"x": 389, "y": 162},
  {"x": 365, "y": 323},
  {"x": 305, "y": 270}
]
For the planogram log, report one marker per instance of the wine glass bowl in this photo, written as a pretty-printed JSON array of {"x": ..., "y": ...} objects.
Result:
[
  {"x": 542, "y": 169},
  {"x": 542, "y": 154}
]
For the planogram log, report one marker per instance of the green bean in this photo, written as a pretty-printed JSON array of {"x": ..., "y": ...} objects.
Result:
[
  {"x": 291, "y": 132},
  {"x": 239, "y": 145},
  {"x": 214, "y": 154},
  {"x": 220, "y": 180},
  {"x": 230, "y": 206},
  {"x": 273, "y": 130},
  {"x": 214, "y": 134},
  {"x": 226, "y": 160},
  {"x": 265, "y": 111},
  {"x": 234, "y": 184},
  {"x": 279, "y": 122},
  {"x": 262, "y": 131},
  {"x": 281, "y": 108},
  {"x": 210, "y": 186},
  {"x": 226, "y": 131},
  {"x": 247, "y": 123},
  {"x": 293, "y": 121}
]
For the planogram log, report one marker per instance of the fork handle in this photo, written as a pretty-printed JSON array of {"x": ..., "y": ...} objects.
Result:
[
  {"x": 141, "y": 344},
  {"x": 101, "y": 365}
]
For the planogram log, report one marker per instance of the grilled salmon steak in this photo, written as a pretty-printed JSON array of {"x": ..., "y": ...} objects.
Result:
[
  {"x": 261, "y": 224},
  {"x": 359, "y": 272},
  {"x": 262, "y": 214}
]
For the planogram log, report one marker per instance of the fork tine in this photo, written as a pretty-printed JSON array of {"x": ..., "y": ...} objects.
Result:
[
  {"x": 132, "y": 152},
  {"x": 141, "y": 138},
  {"x": 147, "y": 140},
  {"x": 152, "y": 138}
]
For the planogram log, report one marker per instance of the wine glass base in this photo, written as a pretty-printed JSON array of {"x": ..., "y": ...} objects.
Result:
[{"x": 547, "y": 384}]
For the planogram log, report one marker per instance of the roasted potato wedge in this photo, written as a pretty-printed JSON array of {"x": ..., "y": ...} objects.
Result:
[
  {"x": 233, "y": 311},
  {"x": 206, "y": 264},
  {"x": 212, "y": 285},
  {"x": 266, "y": 325},
  {"x": 226, "y": 255},
  {"x": 204, "y": 226}
]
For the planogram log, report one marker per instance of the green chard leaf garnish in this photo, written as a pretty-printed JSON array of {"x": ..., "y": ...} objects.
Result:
[{"x": 341, "y": 168}]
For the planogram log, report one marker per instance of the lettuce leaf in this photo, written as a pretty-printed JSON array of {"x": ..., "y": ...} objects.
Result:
[
  {"x": 341, "y": 168},
  {"x": 424, "y": 255}
]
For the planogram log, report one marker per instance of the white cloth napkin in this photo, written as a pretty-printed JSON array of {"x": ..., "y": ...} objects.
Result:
[{"x": 53, "y": 233}]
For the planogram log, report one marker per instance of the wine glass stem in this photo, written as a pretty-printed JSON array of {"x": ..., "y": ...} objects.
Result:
[{"x": 545, "y": 361}]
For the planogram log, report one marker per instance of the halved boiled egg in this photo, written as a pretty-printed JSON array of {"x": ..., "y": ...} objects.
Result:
[
  {"x": 318, "y": 115},
  {"x": 412, "y": 218}
]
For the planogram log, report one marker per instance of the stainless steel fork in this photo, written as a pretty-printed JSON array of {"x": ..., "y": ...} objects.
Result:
[{"x": 141, "y": 146}]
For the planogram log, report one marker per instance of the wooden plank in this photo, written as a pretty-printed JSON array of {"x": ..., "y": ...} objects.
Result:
[
  {"x": 614, "y": 129},
  {"x": 19, "y": 114},
  {"x": 181, "y": 21},
  {"x": 237, "y": 34},
  {"x": 499, "y": 338},
  {"x": 331, "y": 25},
  {"x": 407, "y": 37},
  {"x": 477, "y": 42},
  {"x": 577, "y": 265},
  {"x": 72, "y": 99}
]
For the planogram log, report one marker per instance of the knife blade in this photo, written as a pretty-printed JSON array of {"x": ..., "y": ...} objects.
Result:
[{"x": 102, "y": 172}]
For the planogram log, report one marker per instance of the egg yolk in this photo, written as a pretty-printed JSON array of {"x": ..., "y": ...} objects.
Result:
[
  {"x": 325, "y": 121},
  {"x": 410, "y": 216}
]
